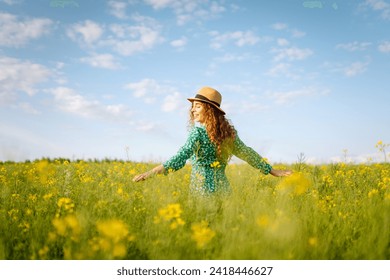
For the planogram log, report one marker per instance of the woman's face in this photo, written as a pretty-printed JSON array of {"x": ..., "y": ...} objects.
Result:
[{"x": 198, "y": 111}]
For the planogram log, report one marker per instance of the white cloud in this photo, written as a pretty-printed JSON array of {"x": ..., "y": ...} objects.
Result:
[
  {"x": 349, "y": 70},
  {"x": 282, "y": 69},
  {"x": 118, "y": 9},
  {"x": 20, "y": 76},
  {"x": 106, "y": 61},
  {"x": 380, "y": 6},
  {"x": 179, "y": 43},
  {"x": 150, "y": 90},
  {"x": 384, "y": 47},
  {"x": 11, "y": 2},
  {"x": 70, "y": 101},
  {"x": 354, "y": 46},
  {"x": 160, "y": 4},
  {"x": 239, "y": 38},
  {"x": 189, "y": 10},
  {"x": 279, "y": 26},
  {"x": 145, "y": 126},
  {"x": 289, "y": 97},
  {"x": 355, "y": 68},
  {"x": 253, "y": 107},
  {"x": 283, "y": 42},
  {"x": 172, "y": 102},
  {"x": 228, "y": 57},
  {"x": 295, "y": 33},
  {"x": 132, "y": 39},
  {"x": 147, "y": 89},
  {"x": 292, "y": 53},
  {"x": 87, "y": 32},
  {"x": 124, "y": 39},
  {"x": 16, "y": 31},
  {"x": 28, "y": 108}
]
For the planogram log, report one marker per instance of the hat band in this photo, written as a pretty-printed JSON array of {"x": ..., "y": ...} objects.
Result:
[{"x": 198, "y": 96}]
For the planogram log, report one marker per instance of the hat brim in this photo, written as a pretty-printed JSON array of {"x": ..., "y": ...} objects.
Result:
[{"x": 205, "y": 101}]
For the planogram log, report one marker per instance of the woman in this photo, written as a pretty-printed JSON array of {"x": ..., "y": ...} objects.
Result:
[{"x": 210, "y": 145}]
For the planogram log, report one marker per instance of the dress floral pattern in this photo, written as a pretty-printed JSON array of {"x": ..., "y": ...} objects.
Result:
[{"x": 208, "y": 171}]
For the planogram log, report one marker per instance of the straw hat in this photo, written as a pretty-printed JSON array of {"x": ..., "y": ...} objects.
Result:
[{"x": 209, "y": 95}]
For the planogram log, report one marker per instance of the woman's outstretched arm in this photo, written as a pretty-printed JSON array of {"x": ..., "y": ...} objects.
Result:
[
  {"x": 157, "y": 170},
  {"x": 176, "y": 162},
  {"x": 254, "y": 159}
]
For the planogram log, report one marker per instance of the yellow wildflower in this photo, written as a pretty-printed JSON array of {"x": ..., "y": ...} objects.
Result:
[
  {"x": 67, "y": 225},
  {"x": 296, "y": 183},
  {"x": 171, "y": 213},
  {"x": 47, "y": 196},
  {"x": 43, "y": 252},
  {"x": 373, "y": 193},
  {"x": 313, "y": 241},
  {"x": 115, "y": 230},
  {"x": 263, "y": 221},
  {"x": 202, "y": 234}
]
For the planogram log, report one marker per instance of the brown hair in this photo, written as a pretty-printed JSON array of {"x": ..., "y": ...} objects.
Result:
[{"x": 220, "y": 131}]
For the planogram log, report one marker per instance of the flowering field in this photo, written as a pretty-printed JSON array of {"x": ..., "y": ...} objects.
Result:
[{"x": 92, "y": 210}]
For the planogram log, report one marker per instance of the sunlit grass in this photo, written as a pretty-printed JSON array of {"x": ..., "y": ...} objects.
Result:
[{"x": 92, "y": 210}]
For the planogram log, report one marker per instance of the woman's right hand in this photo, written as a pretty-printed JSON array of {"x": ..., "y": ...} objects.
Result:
[
  {"x": 157, "y": 170},
  {"x": 141, "y": 177}
]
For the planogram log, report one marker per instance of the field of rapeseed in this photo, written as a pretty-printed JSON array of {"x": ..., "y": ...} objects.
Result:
[{"x": 56, "y": 209}]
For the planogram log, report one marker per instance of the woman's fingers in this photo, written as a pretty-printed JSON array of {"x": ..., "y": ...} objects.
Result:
[{"x": 138, "y": 178}]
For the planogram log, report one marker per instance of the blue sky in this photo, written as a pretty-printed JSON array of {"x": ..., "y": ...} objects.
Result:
[{"x": 109, "y": 79}]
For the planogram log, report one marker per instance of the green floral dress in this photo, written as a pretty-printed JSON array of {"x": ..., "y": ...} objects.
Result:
[{"x": 208, "y": 171}]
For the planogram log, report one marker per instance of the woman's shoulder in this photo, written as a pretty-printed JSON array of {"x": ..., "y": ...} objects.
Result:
[
  {"x": 197, "y": 128},
  {"x": 196, "y": 131}
]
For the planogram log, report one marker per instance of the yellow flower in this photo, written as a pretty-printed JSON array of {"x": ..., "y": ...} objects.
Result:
[
  {"x": 170, "y": 212},
  {"x": 215, "y": 164},
  {"x": 263, "y": 221},
  {"x": 43, "y": 252},
  {"x": 296, "y": 183},
  {"x": 67, "y": 225},
  {"x": 119, "y": 250},
  {"x": 177, "y": 222},
  {"x": 115, "y": 230},
  {"x": 47, "y": 196},
  {"x": 313, "y": 241},
  {"x": 65, "y": 206},
  {"x": 32, "y": 197},
  {"x": 202, "y": 234},
  {"x": 373, "y": 193},
  {"x": 65, "y": 202},
  {"x": 113, "y": 237}
]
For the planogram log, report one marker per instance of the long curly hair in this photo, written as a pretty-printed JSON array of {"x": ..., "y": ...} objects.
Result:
[{"x": 220, "y": 131}]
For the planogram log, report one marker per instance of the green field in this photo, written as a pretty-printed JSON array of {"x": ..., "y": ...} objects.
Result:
[{"x": 56, "y": 209}]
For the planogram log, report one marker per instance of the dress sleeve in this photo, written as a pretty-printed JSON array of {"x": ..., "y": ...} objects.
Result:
[
  {"x": 250, "y": 156},
  {"x": 179, "y": 160}
]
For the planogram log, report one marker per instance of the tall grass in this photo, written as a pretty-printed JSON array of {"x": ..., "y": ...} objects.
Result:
[{"x": 92, "y": 210}]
